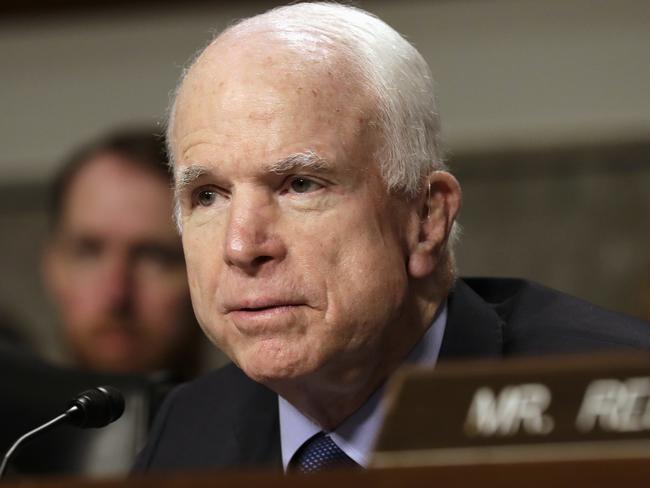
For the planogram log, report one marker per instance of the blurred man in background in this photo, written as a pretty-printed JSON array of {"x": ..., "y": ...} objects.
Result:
[{"x": 114, "y": 266}]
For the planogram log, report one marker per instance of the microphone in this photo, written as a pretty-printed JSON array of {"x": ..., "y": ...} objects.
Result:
[{"x": 95, "y": 408}]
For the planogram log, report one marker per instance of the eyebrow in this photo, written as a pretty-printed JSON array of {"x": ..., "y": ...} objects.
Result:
[
  {"x": 307, "y": 160},
  {"x": 186, "y": 176}
]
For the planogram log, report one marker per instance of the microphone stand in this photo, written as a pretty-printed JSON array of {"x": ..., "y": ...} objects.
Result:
[
  {"x": 42, "y": 428},
  {"x": 96, "y": 407}
]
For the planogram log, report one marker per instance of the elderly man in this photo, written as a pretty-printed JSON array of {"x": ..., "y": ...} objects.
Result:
[
  {"x": 114, "y": 264},
  {"x": 318, "y": 221}
]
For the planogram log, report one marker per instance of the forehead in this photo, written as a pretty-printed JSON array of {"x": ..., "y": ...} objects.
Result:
[
  {"x": 259, "y": 85},
  {"x": 113, "y": 196},
  {"x": 271, "y": 57}
]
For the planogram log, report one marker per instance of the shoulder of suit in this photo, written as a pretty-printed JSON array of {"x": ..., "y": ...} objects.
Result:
[{"x": 535, "y": 314}]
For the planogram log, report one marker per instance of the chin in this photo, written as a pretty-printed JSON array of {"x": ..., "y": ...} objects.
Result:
[
  {"x": 272, "y": 372},
  {"x": 277, "y": 365}
]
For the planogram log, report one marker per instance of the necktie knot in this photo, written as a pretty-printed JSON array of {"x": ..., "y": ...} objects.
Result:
[{"x": 320, "y": 453}]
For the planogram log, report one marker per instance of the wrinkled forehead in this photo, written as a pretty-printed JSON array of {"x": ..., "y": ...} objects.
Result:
[{"x": 260, "y": 66}]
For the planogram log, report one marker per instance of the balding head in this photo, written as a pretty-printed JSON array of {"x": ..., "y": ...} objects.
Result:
[{"x": 373, "y": 58}]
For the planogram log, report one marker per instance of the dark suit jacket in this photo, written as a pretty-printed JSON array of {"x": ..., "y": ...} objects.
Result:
[{"x": 225, "y": 420}]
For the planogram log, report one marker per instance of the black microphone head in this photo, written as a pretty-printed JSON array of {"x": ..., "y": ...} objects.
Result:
[{"x": 96, "y": 408}]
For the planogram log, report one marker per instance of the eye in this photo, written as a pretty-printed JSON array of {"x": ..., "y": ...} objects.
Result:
[
  {"x": 159, "y": 255},
  {"x": 300, "y": 184},
  {"x": 86, "y": 248},
  {"x": 205, "y": 198}
]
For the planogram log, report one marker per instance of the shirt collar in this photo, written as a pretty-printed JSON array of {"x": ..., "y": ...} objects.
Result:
[{"x": 356, "y": 435}]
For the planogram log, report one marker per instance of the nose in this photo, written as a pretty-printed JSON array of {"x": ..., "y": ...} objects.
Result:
[
  {"x": 251, "y": 243},
  {"x": 116, "y": 285}
]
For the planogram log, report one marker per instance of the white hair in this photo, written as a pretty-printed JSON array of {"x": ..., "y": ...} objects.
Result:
[{"x": 389, "y": 67}]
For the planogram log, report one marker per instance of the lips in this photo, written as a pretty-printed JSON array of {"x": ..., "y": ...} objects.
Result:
[
  {"x": 260, "y": 304},
  {"x": 264, "y": 316},
  {"x": 263, "y": 309}
]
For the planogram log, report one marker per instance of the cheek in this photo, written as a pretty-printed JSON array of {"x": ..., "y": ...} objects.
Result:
[
  {"x": 203, "y": 248},
  {"x": 364, "y": 269},
  {"x": 81, "y": 295},
  {"x": 204, "y": 264},
  {"x": 164, "y": 300},
  {"x": 79, "y": 303},
  {"x": 81, "y": 311},
  {"x": 367, "y": 290}
]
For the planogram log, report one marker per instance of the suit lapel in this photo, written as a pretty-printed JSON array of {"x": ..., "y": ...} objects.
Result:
[
  {"x": 473, "y": 328},
  {"x": 256, "y": 433}
]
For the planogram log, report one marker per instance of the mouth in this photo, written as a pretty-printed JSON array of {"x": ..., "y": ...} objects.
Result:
[
  {"x": 260, "y": 305},
  {"x": 264, "y": 309},
  {"x": 267, "y": 317},
  {"x": 261, "y": 309},
  {"x": 116, "y": 340}
]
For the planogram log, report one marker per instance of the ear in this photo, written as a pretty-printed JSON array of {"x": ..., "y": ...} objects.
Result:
[{"x": 438, "y": 208}]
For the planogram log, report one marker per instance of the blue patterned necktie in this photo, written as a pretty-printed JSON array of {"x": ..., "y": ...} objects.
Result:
[{"x": 320, "y": 453}]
